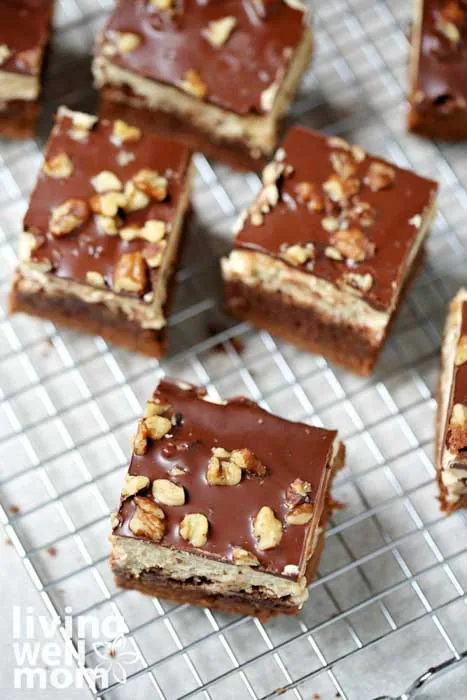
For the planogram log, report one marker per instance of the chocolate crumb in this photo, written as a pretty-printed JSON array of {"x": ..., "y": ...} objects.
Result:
[
  {"x": 8, "y": 542},
  {"x": 112, "y": 651},
  {"x": 52, "y": 551},
  {"x": 14, "y": 509}
]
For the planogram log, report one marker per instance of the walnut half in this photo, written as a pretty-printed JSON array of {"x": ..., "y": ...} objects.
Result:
[
  {"x": 267, "y": 528},
  {"x": 148, "y": 519}
]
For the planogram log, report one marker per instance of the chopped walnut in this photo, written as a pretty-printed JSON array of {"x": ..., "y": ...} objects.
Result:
[
  {"x": 126, "y": 41},
  {"x": 130, "y": 274},
  {"x": 59, "y": 167},
  {"x": 268, "y": 198},
  {"x": 330, "y": 223},
  {"x": 157, "y": 426},
  {"x": 248, "y": 461},
  {"x": 95, "y": 279},
  {"x": 218, "y": 31},
  {"x": 362, "y": 212},
  {"x": 297, "y": 492},
  {"x": 308, "y": 194},
  {"x": 352, "y": 244},
  {"x": 162, "y": 4},
  {"x": 459, "y": 415},
  {"x": 153, "y": 231},
  {"x": 107, "y": 225},
  {"x": 135, "y": 199},
  {"x": 267, "y": 529},
  {"x": 124, "y": 158},
  {"x": 461, "y": 352},
  {"x": 68, "y": 216},
  {"x": 5, "y": 53},
  {"x": 242, "y": 557},
  {"x": 123, "y": 133},
  {"x": 268, "y": 97},
  {"x": 300, "y": 515},
  {"x": 81, "y": 125},
  {"x": 337, "y": 142},
  {"x": 153, "y": 184},
  {"x": 379, "y": 176},
  {"x": 153, "y": 407},
  {"x": 194, "y": 529},
  {"x": 178, "y": 471},
  {"x": 154, "y": 254},
  {"x": 107, "y": 204},
  {"x": 114, "y": 520},
  {"x": 416, "y": 221},
  {"x": 106, "y": 181},
  {"x": 332, "y": 253},
  {"x": 133, "y": 484},
  {"x": 272, "y": 172},
  {"x": 448, "y": 29},
  {"x": 221, "y": 470},
  {"x": 361, "y": 283},
  {"x": 290, "y": 570},
  {"x": 358, "y": 154},
  {"x": 168, "y": 493},
  {"x": 298, "y": 254},
  {"x": 343, "y": 163},
  {"x": 140, "y": 441},
  {"x": 193, "y": 84},
  {"x": 148, "y": 519},
  {"x": 339, "y": 189}
]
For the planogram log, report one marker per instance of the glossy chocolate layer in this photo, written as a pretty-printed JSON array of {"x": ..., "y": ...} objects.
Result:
[
  {"x": 288, "y": 450},
  {"x": 442, "y": 68},
  {"x": 24, "y": 27},
  {"x": 459, "y": 381},
  {"x": 87, "y": 248},
  {"x": 257, "y": 52},
  {"x": 292, "y": 222}
]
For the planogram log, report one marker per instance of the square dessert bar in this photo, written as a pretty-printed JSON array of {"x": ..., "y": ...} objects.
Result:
[
  {"x": 217, "y": 76},
  {"x": 24, "y": 33},
  {"x": 103, "y": 230},
  {"x": 438, "y": 69},
  {"x": 323, "y": 254},
  {"x": 224, "y": 504},
  {"x": 451, "y": 422}
]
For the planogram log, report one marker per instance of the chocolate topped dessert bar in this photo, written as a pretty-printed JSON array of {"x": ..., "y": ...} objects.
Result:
[
  {"x": 218, "y": 76},
  {"x": 438, "y": 93},
  {"x": 224, "y": 504},
  {"x": 103, "y": 229},
  {"x": 451, "y": 422},
  {"x": 323, "y": 254},
  {"x": 24, "y": 33}
]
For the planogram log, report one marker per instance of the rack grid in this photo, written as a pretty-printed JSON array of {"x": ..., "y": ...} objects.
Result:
[{"x": 389, "y": 600}]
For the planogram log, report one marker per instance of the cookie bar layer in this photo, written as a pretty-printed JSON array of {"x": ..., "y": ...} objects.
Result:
[
  {"x": 451, "y": 421},
  {"x": 24, "y": 33},
  {"x": 231, "y": 73},
  {"x": 103, "y": 230},
  {"x": 323, "y": 254},
  {"x": 223, "y": 504},
  {"x": 438, "y": 70}
]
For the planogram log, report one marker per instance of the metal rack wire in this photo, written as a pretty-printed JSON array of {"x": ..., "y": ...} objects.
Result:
[{"x": 390, "y": 597}]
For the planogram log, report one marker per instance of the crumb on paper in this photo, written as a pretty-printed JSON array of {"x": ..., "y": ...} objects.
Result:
[
  {"x": 52, "y": 551},
  {"x": 13, "y": 509}
]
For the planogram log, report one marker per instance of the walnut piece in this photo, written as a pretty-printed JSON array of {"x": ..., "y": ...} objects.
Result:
[
  {"x": 81, "y": 123},
  {"x": 5, "y": 53},
  {"x": 272, "y": 172},
  {"x": 106, "y": 181},
  {"x": 300, "y": 515},
  {"x": 338, "y": 142},
  {"x": 154, "y": 253},
  {"x": 358, "y": 282},
  {"x": 127, "y": 41},
  {"x": 459, "y": 415},
  {"x": 193, "y": 84},
  {"x": 267, "y": 529},
  {"x": 153, "y": 231},
  {"x": 352, "y": 244},
  {"x": 114, "y": 520},
  {"x": 242, "y": 557},
  {"x": 157, "y": 426},
  {"x": 107, "y": 225},
  {"x": 59, "y": 167},
  {"x": 268, "y": 97},
  {"x": 135, "y": 199},
  {"x": 308, "y": 194},
  {"x": 162, "y": 4},
  {"x": 343, "y": 163},
  {"x": 124, "y": 133},
  {"x": 148, "y": 519},
  {"x": 298, "y": 254},
  {"x": 297, "y": 492},
  {"x": 194, "y": 529},
  {"x": 379, "y": 176},
  {"x": 168, "y": 493},
  {"x": 154, "y": 407},
  {"x": 107, "y": 204},
  {"x": 330, "y": 223},
  {"x": 341, "y": 189},
  {"x": 153, "y": 184},
  {"x": 219, "y": 31},
  {"x": 140, "y": 441},
  {"x": 68, "y": 216},
  {"x": 130, "y": 274},
  {"x": 95, "y": 279},
  {"x": 133, "y": 484},
  {"x": 247, "y": 460},
  {"x": 448, "y": 29},
  {"x": 461, "y": 352},
  {"x": 221, "y": 470}
]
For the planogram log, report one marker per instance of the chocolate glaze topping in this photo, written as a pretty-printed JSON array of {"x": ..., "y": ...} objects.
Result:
[
  {"x": 236, "y": 73},
  {"x": 288, "y": 450},
  {"x": 87, "y": 248},
  {"x": 459, "y": 381},
  {"x": 390, "y": 237},
  {"x": 24, "y": 27},
  {"x": 442, "y": 71}
]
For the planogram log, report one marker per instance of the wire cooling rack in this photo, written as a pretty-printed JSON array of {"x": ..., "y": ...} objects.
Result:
[{"x": 390, "y": 597}]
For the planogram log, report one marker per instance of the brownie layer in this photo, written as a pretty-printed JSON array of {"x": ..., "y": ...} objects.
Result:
[
  {"x": 113, "y": 105},
  {"x": 18, "y": 119}
]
